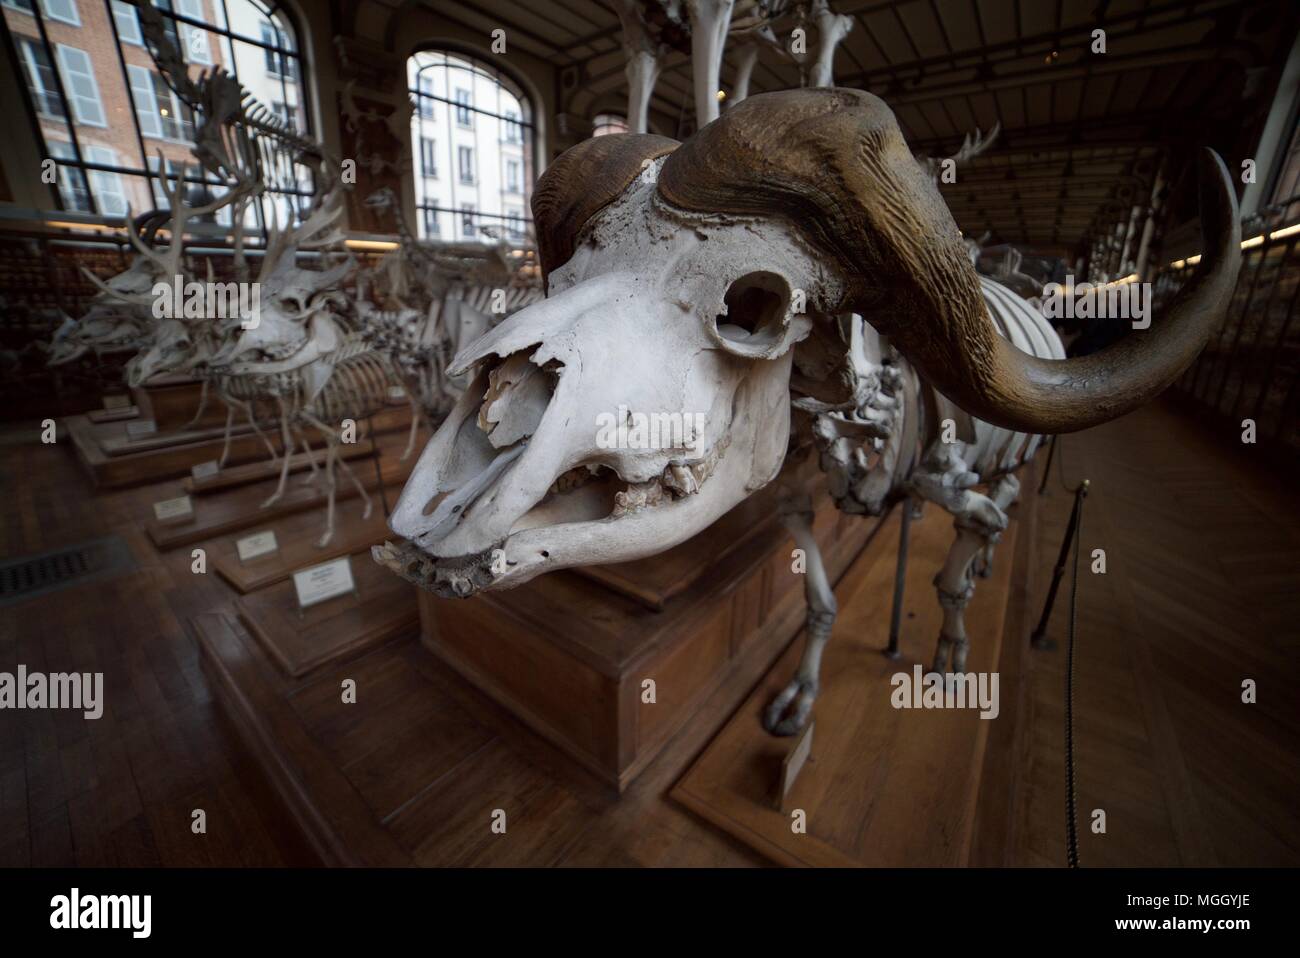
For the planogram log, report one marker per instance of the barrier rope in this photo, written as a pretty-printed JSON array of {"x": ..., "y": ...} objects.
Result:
[
  {"x": 1071, "y": 790},
  {"x": 1039, "y": 640}
]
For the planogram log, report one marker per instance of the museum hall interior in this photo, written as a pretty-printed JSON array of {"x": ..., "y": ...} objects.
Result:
[{"x": 649, "y": 433}]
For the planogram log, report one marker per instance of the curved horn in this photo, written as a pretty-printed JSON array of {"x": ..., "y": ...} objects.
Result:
[
  {"x": 834, "y": 163},
  {"x": 581, "y": 183}
]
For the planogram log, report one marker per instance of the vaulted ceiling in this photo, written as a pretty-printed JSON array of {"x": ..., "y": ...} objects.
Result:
[{"x": 1082, "y": 132}]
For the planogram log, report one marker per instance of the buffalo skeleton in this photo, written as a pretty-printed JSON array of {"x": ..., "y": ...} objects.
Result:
[{"x": 713, "y": 276}]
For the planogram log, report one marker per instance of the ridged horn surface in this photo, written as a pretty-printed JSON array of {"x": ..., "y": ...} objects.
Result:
[
  {"x": 834, "y": 164},
  {"x": 582, "y": 182}
]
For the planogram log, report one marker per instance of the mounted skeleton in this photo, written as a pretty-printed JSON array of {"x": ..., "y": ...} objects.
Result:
[
  {"x": 675, "y": 274},
  {"x": 295, "y": 355},
  {"x": 433, "y": 301}
]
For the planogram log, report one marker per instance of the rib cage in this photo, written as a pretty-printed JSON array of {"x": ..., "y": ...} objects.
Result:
[
  {"x": 358, "y": 386},
  {"x": 480, "y": 297},
  {"x": 920, "y": 414},
  {"x": 996, "y": 451}
]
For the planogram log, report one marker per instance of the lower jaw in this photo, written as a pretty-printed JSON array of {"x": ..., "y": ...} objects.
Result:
[{"x": 457, "y": 578}]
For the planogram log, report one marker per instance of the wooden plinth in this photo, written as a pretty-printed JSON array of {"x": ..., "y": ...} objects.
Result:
[
  {"x": 113, "y": 459},
  {"x": 411, "y": 772},
  {"x": 233, "y": 476},
  {"x": 568, "y": 655},
  {"x": 113, "y": 415},
  {"x": 883, "y": 786},
  {"x": 297, "y": 536},
  {"x": 300, "y": 642},
  {"x": 241, "y": 508},
  {"x": 172, "y": 402}
]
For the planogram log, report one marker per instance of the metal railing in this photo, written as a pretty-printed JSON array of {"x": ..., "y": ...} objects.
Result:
[{"x": 1250, "y": 368}]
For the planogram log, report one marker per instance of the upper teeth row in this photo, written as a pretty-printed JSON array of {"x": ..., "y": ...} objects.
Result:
[{"x": 678, "y": 480}]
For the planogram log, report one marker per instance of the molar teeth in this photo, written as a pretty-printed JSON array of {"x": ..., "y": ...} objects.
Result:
[
  {"x": 637, "y": 497},
  {"x": 681, "y": 480}
]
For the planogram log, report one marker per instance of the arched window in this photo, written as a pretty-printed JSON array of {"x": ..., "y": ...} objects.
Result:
[
  {"x": 109, "y": 119},
  {"x": 606, "y": 123},
  {"x": 474, "y": 143}
]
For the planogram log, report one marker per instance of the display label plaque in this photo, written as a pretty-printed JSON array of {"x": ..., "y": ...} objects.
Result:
[
  {"x": 137, "y": 430},
  {"x": 257, "y": 545},
  {"x": 794, "y": 763},
  {"x": 173, "y": 510},
  {"x": 205, "y": 470},
  {"x": 113, "y": 403},
  {"x": 324, "y": 581},
  {"x": 396, "y": 392}
]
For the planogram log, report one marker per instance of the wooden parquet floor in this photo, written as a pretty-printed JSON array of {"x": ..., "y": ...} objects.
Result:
[{"x": 1200, "y": 593}]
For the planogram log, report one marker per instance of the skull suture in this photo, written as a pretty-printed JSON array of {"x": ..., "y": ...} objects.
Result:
[{"x": 683, "y": 285}]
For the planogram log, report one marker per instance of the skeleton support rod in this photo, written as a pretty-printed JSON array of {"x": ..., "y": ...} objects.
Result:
[{"x": 900, "y": 578}]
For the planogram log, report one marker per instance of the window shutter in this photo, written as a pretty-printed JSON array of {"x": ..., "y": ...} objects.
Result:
[
  {"x": 146, "y": 106},
  {"x": 128, "y": 25},
  {"x": 65, "y": 10},
  {"x": 79, "y": 79}
]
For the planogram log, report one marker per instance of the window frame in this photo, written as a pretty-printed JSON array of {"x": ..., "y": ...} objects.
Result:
[
  {"x": 440, "y": 74},
  {"x": 64, "y": 128}
]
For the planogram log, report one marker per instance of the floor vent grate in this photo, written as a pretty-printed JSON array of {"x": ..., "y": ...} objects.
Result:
[{"x": 30, "y": 576}]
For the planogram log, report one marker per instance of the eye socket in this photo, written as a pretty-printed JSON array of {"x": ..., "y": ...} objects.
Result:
[{"x": 756, "y": 318}]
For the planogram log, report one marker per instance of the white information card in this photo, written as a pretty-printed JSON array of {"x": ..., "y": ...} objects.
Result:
[
  {"x": 257, "y": 545},
  {"x": 324, "y": 581},
  {"x": 144, "y": 427},
  {"x": 205, "y": 470},
  {"x": 173, "y": 510},
  {"x": 117, "y": 402}
]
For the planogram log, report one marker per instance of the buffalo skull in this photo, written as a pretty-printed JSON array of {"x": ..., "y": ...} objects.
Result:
[{"x": 681, "y": 280}]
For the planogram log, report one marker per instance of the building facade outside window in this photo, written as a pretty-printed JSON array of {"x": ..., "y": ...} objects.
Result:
[
  {"x": 476, "y": 122},
  {"x": 104, "y": 112}
]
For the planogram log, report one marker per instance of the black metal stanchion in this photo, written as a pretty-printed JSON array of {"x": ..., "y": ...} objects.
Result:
[
  {"x": 1039, "y": 638},
  {"x": 1051, "y": 451},
  {"x": 900, "y": 579}
]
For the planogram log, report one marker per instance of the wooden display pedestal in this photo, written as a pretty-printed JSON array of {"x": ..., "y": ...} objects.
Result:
[
  {"x": 408, "y": 773},
  {"x": 884, "y": 786},
  {"x": 240, "y": 509},
  {"x": 114, "y": 457},
  {"x": 338, "y": 629},
  {"x": 571, "y": 654},
  {"x": 296, "y": 537},
  {"x": 173, "y": 401}
]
